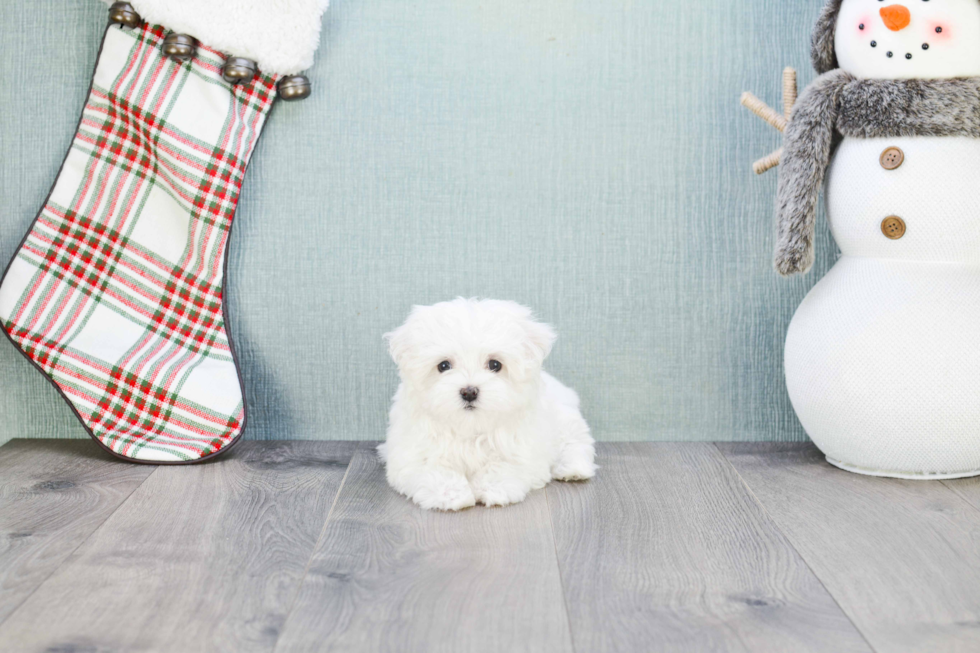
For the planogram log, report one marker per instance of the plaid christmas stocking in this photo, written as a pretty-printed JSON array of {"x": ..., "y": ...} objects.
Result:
[{"x": 116, "y": 291}]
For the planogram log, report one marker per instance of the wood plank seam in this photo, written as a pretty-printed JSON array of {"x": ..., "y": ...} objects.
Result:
[
  {"x": 68, "y": 558},
  {"x": 309, "y": 561},
  {"x": 779, "y": 527},
  {"x": 959, "y": 496},
  {"x": 202, "y": 558},
  {"x": 388, "y": 576},
  {"x": 561, "y": 580},
  {"x": 667, "y": 551}
]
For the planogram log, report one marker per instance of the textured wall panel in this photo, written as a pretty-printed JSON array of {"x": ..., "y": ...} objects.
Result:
[{"x": 586, "y": 158}]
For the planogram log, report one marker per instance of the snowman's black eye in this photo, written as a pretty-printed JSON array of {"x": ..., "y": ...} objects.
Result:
[
  {"x": 939, "y": 30},
  {"x": 861, "y": 26},
  {"x": 444, "y": 366},
  {"x": 495, "y": 366},
  {"x": 925, "y": 46}
]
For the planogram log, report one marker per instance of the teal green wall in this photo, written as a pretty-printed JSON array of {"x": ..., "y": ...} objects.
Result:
[{"x": 587, "y": 158}]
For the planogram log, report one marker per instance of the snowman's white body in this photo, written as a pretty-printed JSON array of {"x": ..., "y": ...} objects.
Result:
[{"x": 883, "y": 356}]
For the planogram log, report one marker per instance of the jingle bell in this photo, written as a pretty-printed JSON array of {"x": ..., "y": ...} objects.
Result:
[
  {"x": 294, "y": 87},
  {"x": 238, "y": 69},
  {"x": 123, "y": 13},
  {"x": 180, "y": 47}
]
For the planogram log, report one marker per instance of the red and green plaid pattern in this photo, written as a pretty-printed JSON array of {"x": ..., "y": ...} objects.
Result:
[{"x": 116, "y": 293}]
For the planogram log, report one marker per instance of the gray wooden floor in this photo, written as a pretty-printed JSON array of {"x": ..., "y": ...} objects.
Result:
[{"x": 301, "y": 546}]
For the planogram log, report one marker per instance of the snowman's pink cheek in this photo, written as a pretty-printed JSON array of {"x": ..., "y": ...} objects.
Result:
[
  {"x": 939, "y": 32},
  {"x": 864, "y": 26}
]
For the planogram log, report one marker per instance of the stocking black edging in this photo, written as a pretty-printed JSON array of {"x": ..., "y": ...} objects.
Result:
[{"x": 224, "y": 302}]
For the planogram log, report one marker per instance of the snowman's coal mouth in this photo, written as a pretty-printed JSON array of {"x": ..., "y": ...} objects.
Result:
[{"x": 891, "y": 53}]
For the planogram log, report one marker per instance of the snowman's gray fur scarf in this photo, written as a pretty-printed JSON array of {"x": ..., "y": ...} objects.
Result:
[{"x": 867, "y": 108}]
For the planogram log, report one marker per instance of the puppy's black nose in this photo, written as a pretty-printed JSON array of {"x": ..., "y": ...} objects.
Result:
[{"x": 469, "y": 394}]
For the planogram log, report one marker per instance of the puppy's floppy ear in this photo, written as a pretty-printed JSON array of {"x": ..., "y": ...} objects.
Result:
[
  {"x": 396, "y": 344},
  {"x": 399, "y": 340},
  {"x": 540, "y": 338}
]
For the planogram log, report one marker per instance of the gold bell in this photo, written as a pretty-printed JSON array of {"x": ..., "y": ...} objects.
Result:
[
  {"x": 294, "y": 87},
  {"x": 238, "y": 69},
  {"x": 123, "y": 13},
  {"x": 180, "y": 47}
]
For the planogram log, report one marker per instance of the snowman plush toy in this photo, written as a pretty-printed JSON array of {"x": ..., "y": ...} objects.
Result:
[{"x": 883, "y": 356}]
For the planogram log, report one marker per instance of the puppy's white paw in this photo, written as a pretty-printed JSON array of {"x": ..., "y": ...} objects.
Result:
[
  {"x": 574, "y": 468},
  {"x": 445, "y": 492},
  {"x": 498, "y": 491}
]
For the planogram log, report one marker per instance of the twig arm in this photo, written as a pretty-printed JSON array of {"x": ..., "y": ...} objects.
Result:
[
  {"x": 790, "y": 90},
  {"x": 767, "y": 163},
  {"x": 764, "y": 111}
]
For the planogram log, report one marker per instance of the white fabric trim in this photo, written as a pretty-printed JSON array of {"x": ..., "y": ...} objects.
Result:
[
  {"x": 908, "y": 476},
  {"x": 281, "y": 35}
]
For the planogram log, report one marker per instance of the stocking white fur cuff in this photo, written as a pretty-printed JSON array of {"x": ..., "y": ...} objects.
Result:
[{"x": 280, "y": 35}]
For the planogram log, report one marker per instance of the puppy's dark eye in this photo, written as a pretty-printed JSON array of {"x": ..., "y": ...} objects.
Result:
[
  {"x": 495, "y": 366},
  {"x": 444, "y": 366}
]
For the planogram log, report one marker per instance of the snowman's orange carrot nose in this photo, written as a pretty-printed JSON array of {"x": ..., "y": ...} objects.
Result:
[{"x": 896, "y": 17}]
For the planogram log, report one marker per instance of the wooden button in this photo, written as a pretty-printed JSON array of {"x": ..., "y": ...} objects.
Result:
[
  {"x": 893, "y": 227},
  {"x": 892, "y": 158}
]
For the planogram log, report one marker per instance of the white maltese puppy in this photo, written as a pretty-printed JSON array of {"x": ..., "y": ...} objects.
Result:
[{"x": 475, "y": 419}]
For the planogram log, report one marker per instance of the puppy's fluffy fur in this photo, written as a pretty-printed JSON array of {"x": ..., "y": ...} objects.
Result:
[{"x": 446, "y": 449}]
